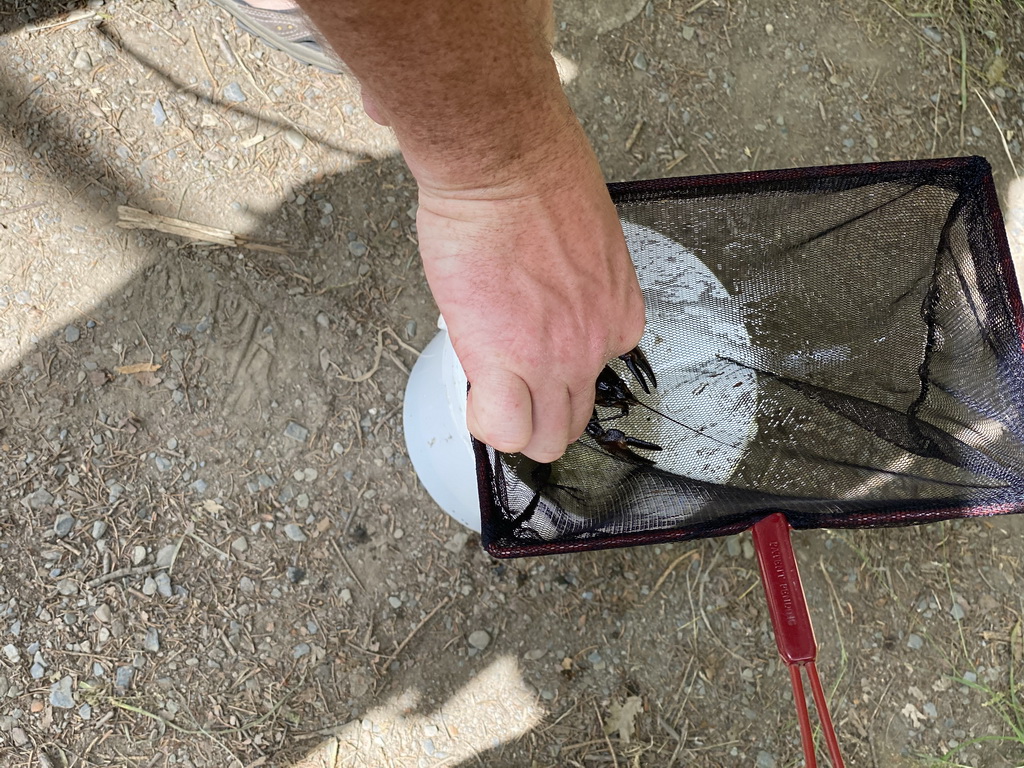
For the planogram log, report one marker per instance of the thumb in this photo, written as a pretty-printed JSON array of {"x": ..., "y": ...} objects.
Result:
[{"x": 500, "y": 410}]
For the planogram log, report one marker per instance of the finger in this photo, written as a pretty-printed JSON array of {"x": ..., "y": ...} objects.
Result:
[
  {"x": 499, "y": 411},
  {"x": 581, "y": 408},
  {"x": 550, "y": 423}
]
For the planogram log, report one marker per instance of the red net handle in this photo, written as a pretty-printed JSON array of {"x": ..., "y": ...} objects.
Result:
[{"x": 794, "y": 634}]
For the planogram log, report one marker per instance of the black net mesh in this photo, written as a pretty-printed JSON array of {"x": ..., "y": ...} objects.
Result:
[{"x": 843, "y": 344}]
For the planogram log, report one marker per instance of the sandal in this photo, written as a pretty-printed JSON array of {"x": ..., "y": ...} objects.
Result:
[{"x": 289, "y": 31}]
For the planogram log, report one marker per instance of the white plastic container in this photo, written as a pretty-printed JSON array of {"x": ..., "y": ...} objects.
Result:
[{"x": 439, "y": 445}]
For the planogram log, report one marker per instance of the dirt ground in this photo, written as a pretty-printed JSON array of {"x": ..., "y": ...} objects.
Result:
[{"x": 222, "y": 556}]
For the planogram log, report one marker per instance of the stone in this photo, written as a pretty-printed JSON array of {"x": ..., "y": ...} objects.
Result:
[
  {"x": 82, "y": 60},
  {"x": 67, "y": 587},
  {"x": 152, "y": 641},
  {"x": 294, "y": 532},
  {"x": 357, "y": 248},
  {"x": 233, "y": 92},
  {"x": 98, "y": 529},
  {"x": 60, "y": 693},
  {"x": 300, "y": 650},
  {"x": 102, "y": 613},
  {"x": 296, "y": 432},
  {"x": 63, "y": 525},
  {"x": 165, "y": 556},
  {"x": 915, "y": 642},
  {"x": 19, "y": 737},
  {"x": 123, "y": 677},
  {"x": 240, "y": 545},
  {"x": 479, "y": 639},
  {"x": 162, "y": 464},
  {"x": 12, "y": 653},
  {"x": 294, "y": 139},
  {"x": 72, "y": 334},
  {"x": 37, "y": 499},
  {"x": 163, "y": 584}
]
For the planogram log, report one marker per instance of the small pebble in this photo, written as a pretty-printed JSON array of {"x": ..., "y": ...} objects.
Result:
[
  {"x": 357, "y": 248},
  {"x": 457, "y": 542},
  {"x": 172, "y": 444},
  {"x": 72, "y": 334},
  {"x": 39, "y": 499},
  {"x": 162, "y": 464},
  {"x": 958, "y": 612},
  {"x": 12, "y": 653},
  {"x": 294, "y": 532},
  {"x": 294, "y": 139},
  {"x": 296, "y": 432},
  {"x": 233, "y": 92},
  {"x": 915, "y": 642},
  {"x": 149, "y": 587},
  {"x": 159, "y": 116},
  {"x": 60, "y": 693},
  {"x": 765, "y": 760},
  {"x": 19, "y": 737},
  {"x": 165, "y": 556},
  {"x": 300, "y": 650},
  {"x": 37, "y": 670},
  {"x": 295, "y": 574},
  {"x": 346, "y": 595},
  {"x": 152, "y": 641},
  {"x": 98, "y": 529},
  {"x": 82, "y": 60},
  {"x": 640, "y": 61},
  {"x": 397, "y": 603},
  {"x": 67, "y": 587},
  {"x": 479, "y": 639},
  {"x": 688, "y": 33},
  {"x": 63, "y": 525},
  {"x": 85, "y": 712},
  {"x": 123, "y": 677},
  {"x": 240, "y": 544},
  {"x": 163, "y": 584},
  {"x": 102, "y": 613},
  {"x": 138, "y": 554}
]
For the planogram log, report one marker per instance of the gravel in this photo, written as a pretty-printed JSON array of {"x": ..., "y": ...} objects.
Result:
[
  {"x": 38, "y": 499},
  {"x": 60, "y": 694},
  {"x": 479, "y": 639},
  {"x": 233, "y": 92},
  {"x": 12, "y": 653},
  {"x": 294, "y": 139},
  {"x": 294, "y": 532},
  {"x": 296, "y": 432},
  {"x": 163, "y": 584}
]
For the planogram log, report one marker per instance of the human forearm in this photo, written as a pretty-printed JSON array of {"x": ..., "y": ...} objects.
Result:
[{"x": 468, "y": 85}]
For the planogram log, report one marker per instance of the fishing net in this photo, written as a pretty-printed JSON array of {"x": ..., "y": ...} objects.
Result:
[{"x": 840, "y": 344}]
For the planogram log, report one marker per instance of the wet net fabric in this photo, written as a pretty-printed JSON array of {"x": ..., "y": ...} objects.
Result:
[{"x": 841, "y": 344}]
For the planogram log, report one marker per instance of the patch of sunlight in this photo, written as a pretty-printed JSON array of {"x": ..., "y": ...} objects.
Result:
[
  {"x": 494, "y": 707},
  {"x": 1014, "y": 214}
]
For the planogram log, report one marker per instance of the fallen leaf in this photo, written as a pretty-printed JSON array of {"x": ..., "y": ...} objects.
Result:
[
  {"x": 622, "y": 718},
  {"x": 99, "y": 377},
  {"x": 147, "y": 379},
  {"x": 127, "y": 370}
]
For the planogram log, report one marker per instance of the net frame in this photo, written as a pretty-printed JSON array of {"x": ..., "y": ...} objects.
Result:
[{"x": 971, "y": 173}]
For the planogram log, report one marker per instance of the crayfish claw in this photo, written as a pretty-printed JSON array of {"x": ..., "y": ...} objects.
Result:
[{"x": 637, "y": 363}]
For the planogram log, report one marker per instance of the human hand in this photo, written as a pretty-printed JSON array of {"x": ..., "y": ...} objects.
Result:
[{"x": 538, "y": 292}]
